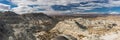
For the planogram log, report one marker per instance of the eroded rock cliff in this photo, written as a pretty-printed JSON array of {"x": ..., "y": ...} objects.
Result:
[{"x": 38, "y": 26}]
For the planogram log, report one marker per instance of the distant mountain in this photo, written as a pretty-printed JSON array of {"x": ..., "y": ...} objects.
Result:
[{"x": 8, "y": 13}]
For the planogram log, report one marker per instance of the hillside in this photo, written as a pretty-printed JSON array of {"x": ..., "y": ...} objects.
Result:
[{"x": 39, "y": 26}]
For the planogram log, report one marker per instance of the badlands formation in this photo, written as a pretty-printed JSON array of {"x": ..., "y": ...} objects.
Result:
[{"x": 38, "y": 26}]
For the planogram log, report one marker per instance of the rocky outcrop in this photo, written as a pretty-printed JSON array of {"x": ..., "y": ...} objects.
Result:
[
  {"x": 38, "y": 26},
  {"x": 24, "y": 27},
  {"x": 100, "y": 28}
]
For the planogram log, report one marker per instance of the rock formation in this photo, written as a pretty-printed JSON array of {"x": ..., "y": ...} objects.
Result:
[
  {"x": 24, "y": 27},
  {"x": 38, "y": 26}
]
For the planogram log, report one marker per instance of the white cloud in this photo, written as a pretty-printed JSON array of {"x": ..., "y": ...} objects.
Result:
[
  {"x": 46, "y": 4},
  {"x": 114, "y": 3},
  {"x": 22, "y": 9},
  {"x": 4, "y": 7},
  {"x": 114, "y": 13}
]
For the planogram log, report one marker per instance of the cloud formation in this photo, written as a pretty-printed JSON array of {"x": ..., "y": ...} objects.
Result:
[
  {"x": 26, "y": 6},
  {"x": 4, "y": 7}
]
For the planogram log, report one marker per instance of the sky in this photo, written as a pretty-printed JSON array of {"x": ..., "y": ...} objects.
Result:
[{"x": 62, "y": 6}]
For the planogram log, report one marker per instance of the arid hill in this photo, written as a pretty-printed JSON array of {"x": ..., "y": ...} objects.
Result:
[{"x": 39, "y": 26}]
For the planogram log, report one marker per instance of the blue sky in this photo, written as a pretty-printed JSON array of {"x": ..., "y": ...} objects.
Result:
[
  {"x": 8, "y": 3},
  {"x": 95, "y": 6}
]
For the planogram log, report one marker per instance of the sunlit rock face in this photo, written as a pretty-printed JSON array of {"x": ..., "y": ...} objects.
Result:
[
  {"x": 99, "y": 28},
  {"x": 39, "y": 26}
]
